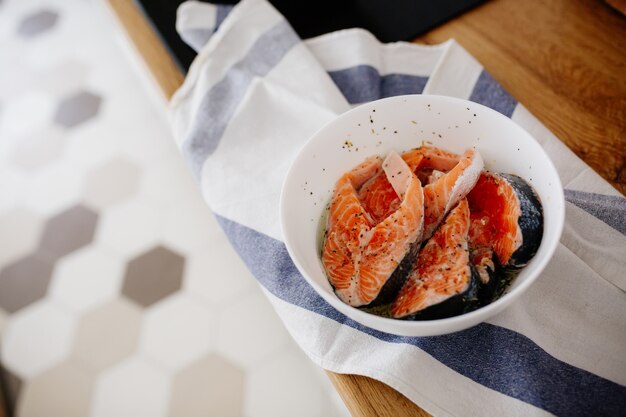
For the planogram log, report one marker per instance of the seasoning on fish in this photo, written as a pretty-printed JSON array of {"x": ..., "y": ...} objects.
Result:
[
  {"x": 378, "y": 196},
  {"x": 363, "y": 255},
  {"x": 474, "y": 228},
  {"x": 426, "y": 160},
  {"x": 442, "y": 282},
  {"x": 447, "y": 190}
]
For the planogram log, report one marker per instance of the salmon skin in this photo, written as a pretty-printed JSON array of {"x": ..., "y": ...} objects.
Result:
[
  {"x": 443, "y": 282},
  {"x": 506, "y": 217},
  {"x": 365, "y": 257},
  {"x": 506, "y": 229},
  {"x": 428, "y": 234},
  {"x": 489, "y": 271}
]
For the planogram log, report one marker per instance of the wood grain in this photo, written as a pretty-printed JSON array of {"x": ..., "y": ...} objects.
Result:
[
  {"x": 565, "y": 60},
  {"x": 620, "y": 5},
  {"x": 160, "y": 64},
  {"x": 364, "y": 396}
]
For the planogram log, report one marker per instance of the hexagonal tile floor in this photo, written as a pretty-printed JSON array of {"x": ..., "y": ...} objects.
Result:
[
  {"x": 119, "y": 294},
  {"x": 37, "y": 22},
  {"x": 77, "y": 109}
]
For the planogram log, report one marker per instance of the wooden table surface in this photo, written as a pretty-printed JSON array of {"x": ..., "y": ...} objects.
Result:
[{"x": 565, "y": 60}]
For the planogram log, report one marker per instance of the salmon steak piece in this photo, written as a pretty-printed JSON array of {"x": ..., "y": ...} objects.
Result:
[
  {"x": 443, "y": 282},
  {"x": 378, "y": 196},
  {"x": 367, "y": 257},
  {"x": 429, "y": 163},
  {"x": 448, "y": 189},
  {"x": 506, "y": 217},
  {"x": 446, "y": 177}
]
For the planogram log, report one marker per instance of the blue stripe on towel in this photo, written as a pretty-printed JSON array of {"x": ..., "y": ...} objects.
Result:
[
  {"x": 363, "y": 83},
  {"x": 197, "y": 38},
  {"x": 221, "y": 101},
  {"x": 610, "y": 209},
  {"x": 495, "y": 357},
  {"x": 487, "y": 91},
  {"x": 222, "y": 10}
]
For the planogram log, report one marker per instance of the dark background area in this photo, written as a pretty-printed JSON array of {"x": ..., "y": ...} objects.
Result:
[{"x": 388, "y": 20}]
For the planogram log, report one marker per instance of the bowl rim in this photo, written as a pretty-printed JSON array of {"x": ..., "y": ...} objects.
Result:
[{"x": 408, "y": 326}]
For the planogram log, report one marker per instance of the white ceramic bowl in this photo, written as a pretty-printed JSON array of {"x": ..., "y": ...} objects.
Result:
[{"x": 401, "y": 123}]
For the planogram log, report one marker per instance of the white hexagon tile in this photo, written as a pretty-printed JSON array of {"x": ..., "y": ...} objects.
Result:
[
  {"x": 130, "y": 227},
  {"x": 37, "y": 338},
  {"x": 111, "y": 183},
  {"x": 38, "y": 149},
  {"x": 119, "y": 293},
  {"x": 283, "y": 384},
  {"x": 44, "y": 395},
  {"x": 25, "y": 228},
  {"x": 134, "y": 387},
  {"x": 27, "y": 113},
  {"x": 79, "y": 286},
  {"x": 107, "y": 334},
  {"x": 250, "y": 320},
  {"x": 217, "y": 259},
  {"x": 177, "y": 331}
]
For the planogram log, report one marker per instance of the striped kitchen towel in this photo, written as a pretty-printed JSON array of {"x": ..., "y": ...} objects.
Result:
[{"x": 253, "y": 96}]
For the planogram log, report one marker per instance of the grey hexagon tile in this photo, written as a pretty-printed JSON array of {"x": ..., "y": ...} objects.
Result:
[
  {"x": 64, "y": 390},
  {"x": 133, "y": 387},
  {"x": 153, "y": 276},
  {"x": 4, "y": 316},
  {"x": 68, "y": 231},
  {"x": 37, "y": 338},
  {"x": 37, "y": 150},
  {"x": 77, "y": 109},
  {"x": 25, "y": 281},
  {"x": 21, "y": 230},
  {"x": 37, "y": 23},
  {"x": 111, "y": 183},
  {"x": 107, "y": 334},
  {"x": 212, "y": 386},
  {"x": 11, "y": 388},
  {"x": 177, "y": 331}
]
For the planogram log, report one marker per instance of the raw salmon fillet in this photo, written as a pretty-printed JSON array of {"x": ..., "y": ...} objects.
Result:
[
  {"x": 377, "y": 195},
  {"x": 447, "y": 190},
  {"x": 452, "y": 178},
  {"x": 361, "y": 252},
  {"x": 506, "y": 220},
  {"x": 442, "y": 276}
]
